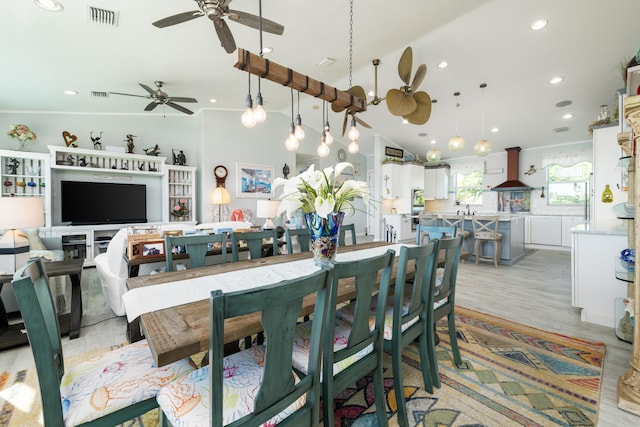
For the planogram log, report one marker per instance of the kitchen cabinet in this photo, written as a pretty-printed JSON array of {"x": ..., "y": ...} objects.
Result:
[
  {"x": 414, "y": 175},
  {"x": 397, "y": 228},
  {"x": 606, "y": 153},
  {"x": 545, "y": 230},
  {"x": 391, "y": 180},
  {"x": 568, "y": 222},
  {"x": 436, "y": 182}
]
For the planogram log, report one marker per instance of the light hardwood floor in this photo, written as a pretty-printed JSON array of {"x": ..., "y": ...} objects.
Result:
[{"x": 536, "y": 292}]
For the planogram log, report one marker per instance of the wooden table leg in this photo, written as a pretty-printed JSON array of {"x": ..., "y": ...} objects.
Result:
[{"x": 76, "y": 306}]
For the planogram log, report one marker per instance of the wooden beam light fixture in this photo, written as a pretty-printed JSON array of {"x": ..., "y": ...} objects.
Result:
[{"x": 258, "y": 65}]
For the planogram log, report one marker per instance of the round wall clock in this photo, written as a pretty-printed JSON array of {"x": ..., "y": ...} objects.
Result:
[
  {"x": 220, "y": 173},
  {"x": 342, "y": 155}
]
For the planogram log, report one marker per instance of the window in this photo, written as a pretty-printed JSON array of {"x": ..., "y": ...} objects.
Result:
[
  {"x": 568, "y": 185},
  {"x": 469, "y": 188}
]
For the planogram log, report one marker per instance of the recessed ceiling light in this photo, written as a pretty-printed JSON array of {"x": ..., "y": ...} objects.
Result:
[
  {"x": 213, "y": 100},
  {"x": 555, "y": 80},
  {"x": 443, "y": 64},
  {"x": 50, "y": 5},
  {"x": 405, "y": 121},
  {"x": 567, "y": 116},
  {"x": 371, "y": 93},
  {"x": 539, "y": 24},
  {"x": 267, "y": 49},
  {"x": 70, "y": 92},
  {"x": 433, "y": 142},
  {"x": 495, "y": 130}
]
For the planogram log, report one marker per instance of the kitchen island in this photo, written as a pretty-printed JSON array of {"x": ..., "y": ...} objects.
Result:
[{"x": 512, "y": 229}]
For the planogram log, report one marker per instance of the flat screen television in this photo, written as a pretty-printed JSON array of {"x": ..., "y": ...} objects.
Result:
[{"x": 88, "y": 203}]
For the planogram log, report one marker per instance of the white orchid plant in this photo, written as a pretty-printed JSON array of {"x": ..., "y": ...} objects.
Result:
[{"x": 321, "y": 192}]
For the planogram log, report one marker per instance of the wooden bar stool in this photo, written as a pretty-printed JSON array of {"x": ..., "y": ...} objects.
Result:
[{"x": 485, "y": 229}]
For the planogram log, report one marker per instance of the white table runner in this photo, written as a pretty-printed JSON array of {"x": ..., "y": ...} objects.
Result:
[{"x": 157, "y": 297}]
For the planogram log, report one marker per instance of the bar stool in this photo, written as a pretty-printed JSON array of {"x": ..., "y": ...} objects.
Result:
[
  {"x": 485, "y": 229},
  {"x": 458, "y": 222}
]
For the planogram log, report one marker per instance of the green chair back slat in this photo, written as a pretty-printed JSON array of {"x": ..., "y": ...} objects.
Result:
[
  {"x": 254, "y": 242},
  {"x": 280, "y": 305},
  {"x": 342, "y": 235},
  {"x": 303, "y": 237},
  {"x": 196, "y": 246}
]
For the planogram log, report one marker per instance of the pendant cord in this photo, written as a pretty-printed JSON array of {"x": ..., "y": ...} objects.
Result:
[
  {"x": 260, "y": 29},
  {"x": 291, "y": 105},
  {"x": 350, "y": 42},
  {"x": 298, "y": 102}
]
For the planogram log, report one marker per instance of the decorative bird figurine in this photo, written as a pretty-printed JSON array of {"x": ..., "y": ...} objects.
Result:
[{"x": 531, "y": 171}]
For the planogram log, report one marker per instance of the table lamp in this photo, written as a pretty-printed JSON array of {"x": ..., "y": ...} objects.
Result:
[
  {"x": 16, "y": 213},
  {"x": 220, "y": 197},
  {"x": 267, "y": 209}
]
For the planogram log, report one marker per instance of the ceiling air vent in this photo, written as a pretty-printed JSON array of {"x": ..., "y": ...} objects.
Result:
[
  {"x": 102, "y": 16},
  {"x": 97, "y": 94},
  {"x": 562, "y": 129}
]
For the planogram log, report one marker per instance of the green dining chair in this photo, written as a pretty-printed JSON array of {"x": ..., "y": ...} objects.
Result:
[
  {"x": 258, "y": 385},
  {"x": 196, "y": 246},
  {"x": 301, "y": 235},
  {"x": 254, "y": 242},
  {"x": 351, "y": 350},
  {"x": 106, "y": 390},
  {"x": 351, "y": 228},
  {"x": 443, "y": 303},
  {"x": 425, "y": 233}
]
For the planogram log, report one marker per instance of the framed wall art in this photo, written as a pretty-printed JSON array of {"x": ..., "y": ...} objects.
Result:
[
  {"x": 151, "y": 248},
  {"x": 254, "y": 181}
]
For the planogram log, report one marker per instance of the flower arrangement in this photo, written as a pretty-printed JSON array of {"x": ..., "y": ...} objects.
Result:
[
  {"x": 321, "y": 192},
  {"x": 21, "y": 132},
  {"x": 179, "y": 209}
]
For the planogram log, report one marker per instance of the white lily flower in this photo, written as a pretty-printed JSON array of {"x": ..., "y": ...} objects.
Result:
[
  {"x": 324, "y": 206},
  {"x": 342, "y": 166}
]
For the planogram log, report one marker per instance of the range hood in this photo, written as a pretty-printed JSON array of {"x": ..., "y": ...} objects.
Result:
[{"x": 513, "y": 166}]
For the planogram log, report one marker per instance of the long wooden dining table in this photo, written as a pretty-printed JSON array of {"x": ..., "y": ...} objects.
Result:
[{"x": 183, "y": 330}]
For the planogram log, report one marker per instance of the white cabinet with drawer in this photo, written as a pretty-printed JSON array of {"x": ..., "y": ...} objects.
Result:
[{"x": 545, "y": 230}]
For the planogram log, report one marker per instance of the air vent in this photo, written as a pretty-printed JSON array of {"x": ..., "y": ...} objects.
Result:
[
  {"x": 102, "y": 16},
  {"x": 97, "y": 94},
  {"x": 562, "y": 129}
]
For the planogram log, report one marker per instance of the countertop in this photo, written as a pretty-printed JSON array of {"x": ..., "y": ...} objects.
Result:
[{"x": 612, "y": 227}]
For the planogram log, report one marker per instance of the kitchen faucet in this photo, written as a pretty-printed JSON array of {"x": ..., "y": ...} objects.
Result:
[{"x": 468, "y": 210}]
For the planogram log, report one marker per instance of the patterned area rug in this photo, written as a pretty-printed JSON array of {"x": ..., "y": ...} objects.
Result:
[{"x": 514, "y": 375}]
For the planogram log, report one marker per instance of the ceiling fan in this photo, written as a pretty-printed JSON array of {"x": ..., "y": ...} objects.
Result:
[
  {"x": 413, "y": 106},
  {"x": 357, "y": 91},
  {"x": 216, "y": 11},
  {"x": 159, "y": 97}
]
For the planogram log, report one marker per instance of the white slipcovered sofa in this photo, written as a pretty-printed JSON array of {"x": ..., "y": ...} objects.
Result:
[{"x": 112, "y": 266}]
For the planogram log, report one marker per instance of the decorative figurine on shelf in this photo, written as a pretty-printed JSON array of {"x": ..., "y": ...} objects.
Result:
[
  {"x": 179, "y": 159},
  {"x": 154, "y": 151},
  {"x": 129, "y": 141},
  {"x": 531, "y": 171},
  {"x": 141, "y": 166},
  {"x": 285, "y": 171},
  {"x": 97, "y": 145},
  {"x": 69, "y": 139},
  {"x": 82, "y": 161},
  {"x": 69, "y": 161},
  {"x": 12, "y": 165}
]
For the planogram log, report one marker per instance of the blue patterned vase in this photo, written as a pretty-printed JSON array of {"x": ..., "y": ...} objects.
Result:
[{"x": 324, "y": 236}]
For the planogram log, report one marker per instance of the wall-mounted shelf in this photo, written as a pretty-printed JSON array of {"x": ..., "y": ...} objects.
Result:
[{"x": 105, "y": 161}]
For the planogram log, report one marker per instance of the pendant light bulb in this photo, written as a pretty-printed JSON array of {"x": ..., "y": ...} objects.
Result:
[
  {"x": 258, "y": 113},
  {"x": 323, "y": 150},
  {"x": 299, "y": 132},
  {"x": 292, "y": 143},
  {"x": 353, "y": 133},
  {"x": 327, "y": 136},
  {"x": 248, "y": 119},
  {"x": 353, "y": 147}
]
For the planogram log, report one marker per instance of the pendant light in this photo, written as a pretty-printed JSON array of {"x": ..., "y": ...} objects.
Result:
[
  {"x": 258, "y": 113},
  {"x": 323, "y": 149},
  {"x": 328, "y": 138},
  {"x": 457, "y": 142},
  {"x": 248, "y": 119},
  {"x": 483, "y": 147},
  {"x": 299, "y": 132},
  {"x": 353, "y": 133},
  {"x": 434, "y": 155},
  {"x": 292, "y": 142}
]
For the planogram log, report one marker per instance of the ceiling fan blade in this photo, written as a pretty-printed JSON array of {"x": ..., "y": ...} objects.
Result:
[
  {"x": 224, "y": 34},
  {"x": 150, "y": 106},
  {"x": 129, "y": 94},
  {"x": 358, "y": 91},
  {"x": 181, "y": 99},
  {"x": 336, "y": 108},
  {"x": 405, "y": 64},
  {"x": 177, "y": 19},
  {"x": 362, "y": 122},
  {"x": 400, "y": 103},
  {"x": 148, "y": 89},
  {"x": 422, "y": 112},
  {"x": 179, "y": 107},
  {"x": 421, "y": 72},
  {"x": 253, "y": 21},
  {"x": 344, "y": 122}
]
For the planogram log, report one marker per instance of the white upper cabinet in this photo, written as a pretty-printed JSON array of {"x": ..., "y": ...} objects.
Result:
[{"x": 436, "y": 182}]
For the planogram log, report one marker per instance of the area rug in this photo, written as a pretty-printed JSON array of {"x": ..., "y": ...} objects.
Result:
[{"x": 513, "y": 375}]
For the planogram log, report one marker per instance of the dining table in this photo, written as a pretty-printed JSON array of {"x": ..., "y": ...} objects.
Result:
[{"x": 172, "y": 308}]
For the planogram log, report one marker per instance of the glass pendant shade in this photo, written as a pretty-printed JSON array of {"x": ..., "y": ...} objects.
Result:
[
  {"x": 323, "y": 150},
  {"x": 482, "y": 148},
  {"x": 456, "y": 143},
  {"x": 434, "y": 155},
  {"x": 353, "y": 147}
]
